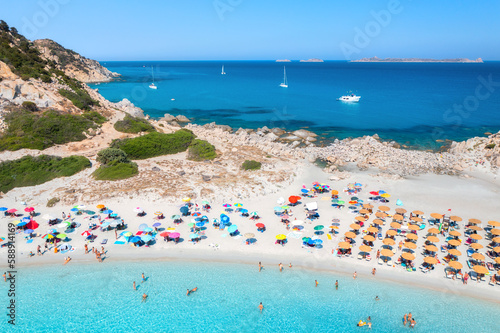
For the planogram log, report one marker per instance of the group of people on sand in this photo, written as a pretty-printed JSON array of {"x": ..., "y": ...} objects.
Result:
[{"x": 408, "y": 319}]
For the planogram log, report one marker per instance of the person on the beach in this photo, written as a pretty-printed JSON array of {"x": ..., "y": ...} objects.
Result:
[
  {"x": 378, "y": 254},
  {"x": 135, "y": 286},
  {"x": 316, "y": 282},
  {"x": 86, "y": 249},
  {"x": 400, "y": 245},
  {"x": 374, "y": 271},
  {"x": 355, "y": 275},
  {"x": 66, "y": 260},
  {"x": 290, "y": 265},
  {"x": 466, "y": 278},
  {"x": 31, "y": 254},
  {"x": 260, "y": 266},
  {"x": 143, "y": 278},
  {"x": 39, "y": 250},
  {"x": 337, "y": 284},
  {"x": 63, "y": 215},
  {"x": 261, "y": 307},
  {"x": 281, "y": 267},
  {"x": 4, "y": 277},
  {"x": 405, "y": 319},
  {"x": 144, "y": 297}
]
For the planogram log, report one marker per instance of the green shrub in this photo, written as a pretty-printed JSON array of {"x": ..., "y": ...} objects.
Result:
[
  {"x": 155, "y": 144},
  {"x": 30, "y": 106},
  {"x": 28, "y": 130},
  {"x": 109, "y": 155},
  {"x": 251, "y": 165},
  {"x": 490, "y": 146},
  {"x": 94, "y": 116},
  {"x": 131, "y": 124},
  {"x": 201, "y": 150},
  {"x": 52, "y": 202},
  {"x": 116, "y": 170},
  {"x": 30, "y": 171},
  {"x": 79, "y": 97}
]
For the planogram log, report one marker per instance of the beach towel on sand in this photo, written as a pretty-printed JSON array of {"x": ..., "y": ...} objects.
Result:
[{"x": 104, "y": 241}]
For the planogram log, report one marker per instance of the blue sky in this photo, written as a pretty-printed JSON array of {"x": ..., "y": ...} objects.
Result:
[{"x": 258, "y": 29}]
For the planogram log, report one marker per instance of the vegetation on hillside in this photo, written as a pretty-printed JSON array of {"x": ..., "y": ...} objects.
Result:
[
  {"x": 251, "y": 165},
  {"x": 26, "y": 129},
  {"x": 155, "y": 144},
  {"x": 131, "y": 124},
  {"x": 201, "y": 150},
  {"x": 115, "y": 165},
  {"x": 30, "y": 171}
]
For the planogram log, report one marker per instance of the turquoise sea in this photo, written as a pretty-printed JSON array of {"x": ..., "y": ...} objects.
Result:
[
  {"x": 412, "y": 103},
  {"x": 100, "y": 298}
]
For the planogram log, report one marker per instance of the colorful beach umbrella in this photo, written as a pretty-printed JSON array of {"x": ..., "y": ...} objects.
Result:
[
  {"x": 156, "y": 225},
  {"x": 165, "y": 234},
  {"x": 238, "y": 205},
  {"x": 194, "y": 236},
  {"x": 3, "y": 209},
  {"x": 196, "y": 214},
  {"x": 107, "y": 211},
  {"x": 146, "y": 238},
  {"x": 280, "y": 237},
  {"x": 232, "y": 228},
  {"x": 61, "y": 236},
  {"x": 186, "y": 199},
  {"x": 174, "y": 235},
  {"x": 126, "y": 233},
  {"x": 29, "y": 209},
  {"x": 135, "y": 239},
  {"x": 143, "y": 226},
  {"x": 260, "y": 225},
  {"x": 175, "y": 217},
  {"x": 158, "y": 213}
]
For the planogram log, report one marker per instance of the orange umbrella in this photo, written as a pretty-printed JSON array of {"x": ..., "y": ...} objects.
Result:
[
  {"x": 432, "y": 239},
  {"x": 410, "y": 245},
  {"x": 433, "y": 231},
  {"x": 398, "y": 217},
  {"x": 364, "y": 211},
  {"x": 431, "y": 248},
  {"x": 365, "y": 248},
  {"x": 476, "y": 246},
  {"x": 355, "y": 226},
  {"x": 384, "y": 208},
  {"x": 477, "y": 256},
  {"x": 381, "y": 215},
  {"x": 372, "y": 229},
  {"x": 344, "y": 245},
  {"x": 350, "y": 234},
  {"x": 497, "y": 249},
  {"x": 408, "y": 256},
  {"x": 474, "y": 221},
  {"x": 430, "y": 260},
  {"x": 378, "y": 222},
  {"x": 412, "y": 236},
  {"x": 454, "y": 242},
  {"x": 335, "y": 192},
  {"x": 392, "y": 232},
  {"x": 437, "y": 216},
  {"x": 395, "y": 225},
  {"x": 494, "y": 223},
  {"x": 386, "y": 253},
  {"x": 476, "y": 236},
  {"x": 388, "y": 241},
  {"x": 414, "y": 227},
  {"x": 101, "y": 206},
  {"x": 367, "y": 206},
  {"x": 360, "y": 218},
  {"x": 369, "y": 238},
  {"x": 455, "y": 218},
  {"x": 495, "y": 232},
  {"x": 416, "y": 219},
  {"x": 497, "y": 260},
  {"x": 418, "y": 212},
  {"x": 455, "y": 252},
  {"x": 455, "y": 265},
  {"x": 475, "y": 227},
  {"x": 480, "y": 269},
  {"x": 400, "y": 210},
  {"x": 496, "y": 239},
  {"x": 455, "y": 233}
]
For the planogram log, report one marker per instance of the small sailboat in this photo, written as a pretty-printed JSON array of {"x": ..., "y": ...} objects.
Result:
[
  {"x": 222, "y": 72},
  {"x": 152, "y": 85},
  {"x": 285, "y": 82}
]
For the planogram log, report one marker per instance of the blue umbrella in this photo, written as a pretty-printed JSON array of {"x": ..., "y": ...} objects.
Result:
[
  {"x": 310, "y": 241},
  {"x": 22, "y": 224},
  {"x": 146, "y": 238},
  {"x": 74, "y": 209},
  {"x": 143, "y": 226},
  {"x": 244, "y": 210},
  {"x": 107, "y": 211},
  {"x": 232, "y": 228},
  {"x": 358, "y": 184},
  {"x": 135, "y": 239},
  {"x": 278, "y": 209},
  {"x": 28, "y": 231},
  {"x": 105, "y": 224},
  {"x": 184, "y": 209},
  {"x": 204, "y": 218},
  {"x": 381, "y": 192},
  {"x": 304, "y": 190},
  {"x": 198, "y": 219},
  {"x": 157, "y": 224},
  {"x": 224, "y": 218},
  {"x": 193, "y": 236},
  {"x": 26, "y": 219},
  {"x": 3, "y": 209},
  {"x": 148, "y": 229},
  {"x": 318, "y": 241},
  {"x": 200, "y": 224}
]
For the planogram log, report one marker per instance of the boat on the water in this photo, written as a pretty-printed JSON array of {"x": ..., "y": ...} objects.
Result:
[
  {"x": 152, "y": 85},
  {"x": 349, "y": 98},
  {"x": 284, "y": 84},
  {"x": 222, "y": 72}
]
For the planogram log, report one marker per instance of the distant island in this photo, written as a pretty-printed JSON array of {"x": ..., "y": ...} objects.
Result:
[
  {"x": 456, "y": 60},
  {"x": 283, "y": 60},
  {"x": 312, "y": 60}
]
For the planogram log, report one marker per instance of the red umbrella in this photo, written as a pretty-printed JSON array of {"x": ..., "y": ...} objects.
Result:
[
  {"x": 164, "y": 234},
  {"x": 373, "y": 193},
  {"x": 260, "y": 225},
  {"x": 12, "y": 210},
  {"x": 293, "y": 199},
  {"x": 32, "y": 225},
  {"x": 86, "y": 233},
  {"x": 29, "y": 209}
]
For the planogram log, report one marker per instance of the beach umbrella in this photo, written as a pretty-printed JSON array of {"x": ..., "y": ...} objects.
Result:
[
  {"x": 200, "y": 224},
  {"x": 369, "y": 238},
  {"x": 455, "y": 218},
  {"x": 497, "y": 260},
  {"x": 227, "y": 205},
  {"x": 412, "y": 236},
  {"x": 196, "y": 214},
  {"x": 476, "y": 236},
  {"x": 374, "y": 193},
  {"x": 432, "y": 239},
  {"x": 416, "y": 219},
  {"x": 410, "y": 245},
  {"x": 107, "y": 211},
  {"x": 280, "y": 237},
  {"x": 249, "y": 235},
  {"x": 143, "y": 226},
  {"x": 138, "y": 210},
  {"x": 205, "y": 202},
  {"x": 184, "y": 209},
  {"x": 341, "y": 202},
  {"x": 243, "y": 211},
  {"x": 28, "y": 231},
  {"x": 148, "y": 229},
  {"x": 430, "y": 260},
  {"x": 358, "y": 184},
  {"x": 191, "y": 225},
  {"x": 156, "y": 225},
  {"x": 186, "y": 199},
  {"x": 74, "y": 209},
  {"x": 238, "y": 204},
  {"x": 436, "y": 216},
  {"x": 32, "y": 225},
  {"x": 285, "y": 207},
  {"x": 398, "y": 217},
  {"x": 400, "y": 210},
  {"x": 395, "y": 225},
  {"x": 12, "y": 210},
  {"x": 193, "y": 236},
  {"x": 494, "y": 223},
  {"x": 408, "y": 256},
  {"x": 61, "y": 236},
  {"x": 391, "y": 232},
  {"x": 387, "y": 253},
  {"x": 455, "y": 233},
  {"x": 480, "y": 269},
  {"x": 360, "y": 218},
  {"x": 355, "y": 226},
  {"x": 476, "y": 246},
  {"x": 365, "y": 248},
  {"x": 350, "y": 234},
  {"x": 126, "y": 234},
  {"x": 21, "y": 224},
  {"x": 474, "y": 221},
  {"x": 384, "y": 208},
  {"x": 475, "y": 227},
  {"x": 431, "y": 248},
  {"x": 165, "y": 234},
  {"x": 260, "y": 225},
  {"x": 418, "y": 212},
  {"x": 3, "y": 209},
  {"x": 333, "y": 227},
  {"x": 454, "y": 242},
  {"x": 381, "y": 215},
  {"x": 304, "y": 190},
  {"x": 495, "y": 232},
  {"x": 158, "y": 213},
  {"x": 454, "y": 252},
  {"x": 496, "y": 249},
  {"x": 433, "y": 231},
  {"x": 477, "y": 256},
  {"x": 278, "y": 209},
  {"x": 146, "y": 238},
  {"x": 105, "y": 224},
  {"x": 232, "y": 228},
  {"x": 372, "y": 229},
  {"x": 496, "y": 240},
  {"x": 389, "y": 241},
  {"x": 414, "y": 227},
  {"x": 101, "y": 206},
  {"x": 254, "y": 213},
  {"x": 364, "y": 211},
  {"x": 135, "y": 239},
  {"x": 378, "y": 222},
  {"x": 30, "y": 209},
  {"x": 344, "y": 245},
  {"x": 306, "y": 239},
  {"x": 319, "y": 227},
  {"x": 368, "y": 206},
  {"x": 174, "y": 235},
  {"x": 455, "y": 265},
  {"x": 175, "y": 217},
  {"x": 297, "y": 222},
  {"x": 385, "y": 195},
  {"x": 352, "y": 202}
]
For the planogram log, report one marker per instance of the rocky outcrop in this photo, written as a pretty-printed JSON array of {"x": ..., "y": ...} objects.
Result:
[
  {"x": 127, "y": 106},
  {"x": 73, "y": 64},
  {"x": 479, "y": 150}
]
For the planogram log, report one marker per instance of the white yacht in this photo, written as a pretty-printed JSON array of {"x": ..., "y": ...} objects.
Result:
[
  {"x": 223, "y": 73},
  {"x": 152, "y": 85},
  {"x": 285, "y": 82},
  {"x": 349, "y": 98}
]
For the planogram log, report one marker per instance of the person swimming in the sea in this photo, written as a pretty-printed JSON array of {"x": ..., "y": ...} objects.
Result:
[
  {"x": 144, "y": 297},
  {"x": 261, "y": 307},
  {"x": 191, "y": 291}
]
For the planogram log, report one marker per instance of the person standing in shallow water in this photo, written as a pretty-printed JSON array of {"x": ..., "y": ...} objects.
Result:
[
  {"x": 260, "y": 266},
  {"x": 281, "y": 267},
  {"x": 261, "y": 307},
  {"x": 336, "y": 284}
]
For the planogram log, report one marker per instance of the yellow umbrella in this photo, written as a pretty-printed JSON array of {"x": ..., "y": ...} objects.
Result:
[
  {"x": 477, "y": 256},
  {"x": 384, "y": 208},
  {"x": 355, "y": 226},
  {"x": 474, "y": 221},
  {"x": 378, "y": 222},
  {"x": 365, "y": 248},
  {"x": 392, "y": 232},
  {"x": 408, "y": 256},
  {"x": 436, "y": 216},
  {"x": 186, "y": 199},
  {"x": 412, "y": 236},
  {"x": 455, "y": 233},
  {"x": 344, "y": 245},
  {"x": 455, "y": 218},
  {"x": 388, "y": 241},
  {"x": 476, "y": 246},
  {"x": 280, "y": 237},
  {"x": 395, "y": 225},
  {"x": 455, "y": 252},
  {"x": 400, "y": 210},
  {"x": 414, "y": 227},
  {"x": 369, "y": 238},
  {"x": 454, "y": 242},
  {"x": 385, "y": 195},
  {"x": 410, "y": 245},
  {"x": 350, "y": 234},
  {"x": 333, "y": 227},
  {"x": 386, "y": 253},
  {"x": 480, "y": 269},
  {"x": 360, "y": 218},
  {"x": 433, "y": 231},
  {"x": 476, "y": 236},
  {"x": 398, "y": 217},
  {"x": 430, "y": 260},
  {"x": 432, "y": 239},
  {"x": 455, "y": 265},
  {"x": 496, "y": 240},
  {"x": 431, "y": 248},
  {"x": 494, "y": 223},
  {"x": 495, "y": 232},
  {"x": 497, "y": 249}
]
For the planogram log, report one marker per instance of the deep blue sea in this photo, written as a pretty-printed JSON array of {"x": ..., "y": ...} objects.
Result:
[
  {"x": 413, "y": 103},
  {"x": 100, "y": 298}
]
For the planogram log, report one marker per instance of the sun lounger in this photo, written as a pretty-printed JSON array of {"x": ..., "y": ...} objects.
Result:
[
  {"x": 380, "y": 261},
  {"x": 389, "y": 262},
  {"x": 104, "y": 241},
  {"x": 360, "y": 257},
  {"x": 449, "y": 274}
]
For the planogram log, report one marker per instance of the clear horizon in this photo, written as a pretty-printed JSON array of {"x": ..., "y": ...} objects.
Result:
[{"x": 225, "y": 30}]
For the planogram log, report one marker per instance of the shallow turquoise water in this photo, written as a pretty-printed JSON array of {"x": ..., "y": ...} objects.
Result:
[{"x": 100, "y": 298}]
